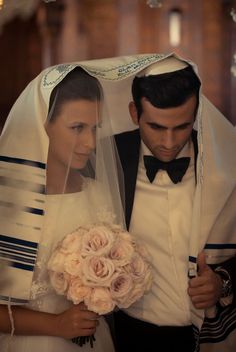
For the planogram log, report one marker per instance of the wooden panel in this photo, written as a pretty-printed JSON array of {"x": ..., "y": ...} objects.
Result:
[
  {"x": 20, "y": 60},
  {"x": 102, "y": 28},
  {"x": 128, "y": 27}
]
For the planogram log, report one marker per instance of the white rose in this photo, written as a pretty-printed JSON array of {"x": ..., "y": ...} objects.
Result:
[
  {"x": 72, "y": 264},
  {"x": 56, "y": 262},
  {"x": 59, "y": 281},
  {"x": 72, "y": 242},
  {"x": 100, "y": 301},
  {"x": 77, "y": 291},
  {"x": 97, "y": 271},
  {"x": 126, "y": 236},
  {"x": 97, "y": 241}
]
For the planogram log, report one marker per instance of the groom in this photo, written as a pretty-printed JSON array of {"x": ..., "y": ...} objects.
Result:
[{"x": 159, "y": 160}]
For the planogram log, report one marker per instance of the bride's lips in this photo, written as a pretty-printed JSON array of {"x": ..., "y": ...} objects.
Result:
[{"x": 82, "y": 155}]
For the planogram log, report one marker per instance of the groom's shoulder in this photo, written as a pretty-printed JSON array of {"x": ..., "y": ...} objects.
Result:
[{"x": 127, "y": 137}]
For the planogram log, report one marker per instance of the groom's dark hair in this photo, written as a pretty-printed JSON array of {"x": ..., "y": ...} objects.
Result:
[{"x": 166, "y": 90}]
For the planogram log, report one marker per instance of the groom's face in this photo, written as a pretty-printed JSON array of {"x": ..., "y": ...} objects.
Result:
[{"x": 165, "y": 131}]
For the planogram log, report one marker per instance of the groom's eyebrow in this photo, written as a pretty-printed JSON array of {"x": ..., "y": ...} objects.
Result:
[{"x": 157, "y": 125}]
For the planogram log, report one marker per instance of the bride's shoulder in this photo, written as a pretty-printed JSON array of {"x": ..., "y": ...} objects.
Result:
[
  {"x": 92, "y": 185},
  {"x": 89, "y": 182}
]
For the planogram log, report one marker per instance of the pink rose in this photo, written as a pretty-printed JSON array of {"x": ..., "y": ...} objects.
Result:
[
  {"x": 121, "y": 286},
  {"x": 97, "y": 271},
  {"x": 137, "y": 267},
  {"x": 97, "y": 241},
  {"x": 121, "y": 252},
  {"x": 77, "y": 291},
  {"x": 135, "y": 294},
  {"x": 100, "y": 301},
  {"x": 59, "y": 281}
]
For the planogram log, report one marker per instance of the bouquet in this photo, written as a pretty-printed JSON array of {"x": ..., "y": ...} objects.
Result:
[{"x": 101, "y": 265}]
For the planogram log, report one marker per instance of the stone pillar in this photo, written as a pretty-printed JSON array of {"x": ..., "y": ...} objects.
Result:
[
  {"x": 73, "y": 45},
  {"x": 128, "y": 35}
]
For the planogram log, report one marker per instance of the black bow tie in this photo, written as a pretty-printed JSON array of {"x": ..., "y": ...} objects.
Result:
[{"x": 175, "y": 168}]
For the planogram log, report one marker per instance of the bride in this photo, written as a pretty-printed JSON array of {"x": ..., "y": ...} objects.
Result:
[{"x": 53, "y": 183}]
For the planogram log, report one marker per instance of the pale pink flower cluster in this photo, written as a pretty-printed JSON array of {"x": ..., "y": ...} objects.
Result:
[{"x": 102, "y": 266}]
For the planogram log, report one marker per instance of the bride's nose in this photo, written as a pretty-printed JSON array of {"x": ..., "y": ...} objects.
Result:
[{"x": 89, "y": 139}]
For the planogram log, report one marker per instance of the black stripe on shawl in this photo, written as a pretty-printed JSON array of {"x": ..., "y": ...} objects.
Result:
[
  {"x": 18, "y": 241},
  {"x": 218, "y": 328},
  {"x": 13, "y": 299},
  {"x": 24, "y": 185},
  {"x": 32, "y": 163}
]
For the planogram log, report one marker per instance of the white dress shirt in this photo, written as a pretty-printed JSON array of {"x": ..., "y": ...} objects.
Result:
[{"x": 161, "y": 219}]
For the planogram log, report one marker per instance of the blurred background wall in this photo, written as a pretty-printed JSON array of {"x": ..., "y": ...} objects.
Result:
[{"x": 35, "y": 34}]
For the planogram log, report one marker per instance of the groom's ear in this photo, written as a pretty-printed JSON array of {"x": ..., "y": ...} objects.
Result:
[{"x": 133, "y": 113}]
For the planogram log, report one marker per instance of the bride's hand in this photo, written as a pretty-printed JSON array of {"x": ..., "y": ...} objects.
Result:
[{"x": 76, "y": 321}]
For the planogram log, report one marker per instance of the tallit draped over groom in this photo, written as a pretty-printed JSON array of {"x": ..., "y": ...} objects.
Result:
[{"x": 177, "y": 153}]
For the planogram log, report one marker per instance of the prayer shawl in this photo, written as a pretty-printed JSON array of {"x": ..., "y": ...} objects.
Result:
[{"x": 23, "y": 155}]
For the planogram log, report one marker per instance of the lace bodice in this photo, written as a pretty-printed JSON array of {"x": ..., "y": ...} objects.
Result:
[{"x": 64, "y": 213}]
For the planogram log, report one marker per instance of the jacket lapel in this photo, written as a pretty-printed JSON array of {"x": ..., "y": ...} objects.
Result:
[{"x": 128, "y": 145}]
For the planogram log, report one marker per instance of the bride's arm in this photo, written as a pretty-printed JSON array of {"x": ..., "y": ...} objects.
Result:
[{"x": 76, "y": 321}]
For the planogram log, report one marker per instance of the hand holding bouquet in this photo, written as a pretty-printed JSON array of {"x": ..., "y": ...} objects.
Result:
[{"x": 101, "y": 265}]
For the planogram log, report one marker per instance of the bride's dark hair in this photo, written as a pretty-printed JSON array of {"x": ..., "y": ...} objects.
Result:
[{"x": 77, "y": 84}]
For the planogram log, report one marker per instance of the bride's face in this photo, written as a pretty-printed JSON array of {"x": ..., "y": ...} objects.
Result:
[{"x": 72, "y": 134}]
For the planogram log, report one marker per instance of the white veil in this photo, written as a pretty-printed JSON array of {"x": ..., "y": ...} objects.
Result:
[{"x": 24, "y": 204}]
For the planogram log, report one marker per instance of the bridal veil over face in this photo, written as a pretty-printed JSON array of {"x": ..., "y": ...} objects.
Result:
[
  {"x": 24, "y": 153},
  {"x": 56, "y": 148}
]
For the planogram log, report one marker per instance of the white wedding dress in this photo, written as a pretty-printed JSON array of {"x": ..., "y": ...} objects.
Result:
[{"x": 64, "y": 214}]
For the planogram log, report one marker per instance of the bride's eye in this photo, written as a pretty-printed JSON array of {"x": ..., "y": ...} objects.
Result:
[
  {"x": 98, "y": 125},
  {"x": 77, "y": 128}
]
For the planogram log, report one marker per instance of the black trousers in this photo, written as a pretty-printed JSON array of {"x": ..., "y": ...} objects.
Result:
[{"x": 135, "y": 335}]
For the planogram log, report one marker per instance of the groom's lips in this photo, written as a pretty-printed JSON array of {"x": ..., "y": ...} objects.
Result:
[{"x": 168, "y": 152}]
